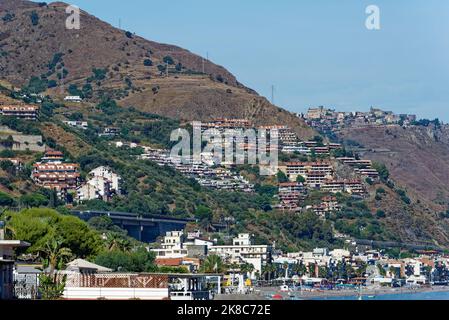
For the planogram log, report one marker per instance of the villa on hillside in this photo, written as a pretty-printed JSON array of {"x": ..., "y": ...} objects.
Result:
[{"x": 26, "y": 112}]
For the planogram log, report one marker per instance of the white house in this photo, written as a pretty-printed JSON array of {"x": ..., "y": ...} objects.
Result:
[{"x": 73, "y": 99}]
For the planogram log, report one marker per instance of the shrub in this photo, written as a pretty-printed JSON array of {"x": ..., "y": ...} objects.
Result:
[
  {"x": 382, "y": 169},
  {"x": 99, "y": 74},
  {"x": 8, "y": 17},
  {"x": 169, "y": 60},
  {"x": 147, "y": 63},
  {"x": 138, "y": 261},
  {"x": 34, "y": 18},
  {"x": 52, "y": 84},
  {"x": 36, "y": 85},
  {"x": 6, "y": 199},
  {"x": 380, "y": 214}
]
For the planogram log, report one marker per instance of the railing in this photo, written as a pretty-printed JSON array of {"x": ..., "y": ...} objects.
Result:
[{"x": 108, "y": 280}]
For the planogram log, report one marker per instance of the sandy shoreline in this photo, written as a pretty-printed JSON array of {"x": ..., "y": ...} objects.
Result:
[{"x": 313, "y": 294}]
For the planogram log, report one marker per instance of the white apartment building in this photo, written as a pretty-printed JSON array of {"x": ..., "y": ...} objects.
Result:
[
  {"x": 172, "y": 246},
  {"x": 103, "y": 184},
  {"x": 242, "y": 250},
  {"x": 107, "y": 173}
]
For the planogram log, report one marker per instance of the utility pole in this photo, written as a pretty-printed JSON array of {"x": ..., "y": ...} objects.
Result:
[{"x": 62, "y": 74}]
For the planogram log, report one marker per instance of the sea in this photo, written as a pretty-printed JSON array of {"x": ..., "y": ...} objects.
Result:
[{"x": 436, "y": 295}]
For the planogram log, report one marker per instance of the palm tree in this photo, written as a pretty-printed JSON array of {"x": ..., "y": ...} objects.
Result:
[
  {"x": 247, "y": 268},
  {"x": 55, "y": 254},
  {"x": 51, "y": 286},
  {"x": 115, "y": 242},
  {"x": 300, "y": 269},
  {"x": 286, "y": 267},
  {"x": 213, "y": 264},
  {"x": 268, "y": 270}
]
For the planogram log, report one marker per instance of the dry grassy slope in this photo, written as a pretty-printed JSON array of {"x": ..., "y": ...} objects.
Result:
[
  {"x": 418, "y": 223},
  {"x": 415, "y": 223},
  {"x": 418, "y": 161},
  {"x": 99, "y": 45},
  {"x": 417, "y": 158}
]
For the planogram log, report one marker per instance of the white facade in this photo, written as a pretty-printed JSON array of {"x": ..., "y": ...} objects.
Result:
[
  {"x": 108, "y": 174},
  {"x": 172, "y": 246},
  {"x": 243, "y": 250},
  {"x": 103, "y": 183},
  {"x": 73, "y": 99}
]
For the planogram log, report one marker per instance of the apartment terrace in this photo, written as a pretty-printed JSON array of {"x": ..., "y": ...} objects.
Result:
[
  {"x": 303, "y": 168},
  {"x": 56, "y": 176},
  {"x": 355, "y": 187},
  {"x": 288, "y": 187},
  {"x": 224, "y": 123},
  {"x": 26, "y": 112},
  {"x": 203, "y": 173},
  {"x": 53, "y": 156},
  {"x": 361, "y": 167}
]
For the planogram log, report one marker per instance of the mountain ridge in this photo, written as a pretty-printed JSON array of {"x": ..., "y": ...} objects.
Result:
[{"x": 186, "y": 93}]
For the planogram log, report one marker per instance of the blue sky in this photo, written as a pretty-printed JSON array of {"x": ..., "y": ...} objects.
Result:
[{"x": 314, "y": 52}]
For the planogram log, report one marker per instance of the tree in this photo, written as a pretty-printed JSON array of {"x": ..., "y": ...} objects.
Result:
[
  {"x": 115, "y": 241},
  {"x": 52, "y": 84},
  {"x": 55, "y": 254},
  {"x": 205, "y": 216},
  {"x": 247, "y": 268},
  {"x": 169, "y": 60},
  {"x": 6, "y": 200},
  {"x": 384, "y": 174},
  {"x": 38, "y": 226},
  {"x": 380, "y": 214},
  {"x": 34, "y": 17},
  {"x": 50, "y": 287},
  {"x": 34, "y": 200},
  {"x": 300, "y": 179},
  {"x": 36, "y": 85},
  {"x": 299, "y": 269},
  {"x": 213, "y": 264},
  {"x": 282, "y": 177},
  {"x": 147, "y": 62},
  {"x": 139, "y": 260},
  {"x": 268, "y": 270}
]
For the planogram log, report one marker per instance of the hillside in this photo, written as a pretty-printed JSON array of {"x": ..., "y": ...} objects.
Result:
[
  {"x": 417, "y": 158},
  {"x": 125, "y": 84},
  {"x": 35, "y": 43},
  {"x": 424, "y": 149}
]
